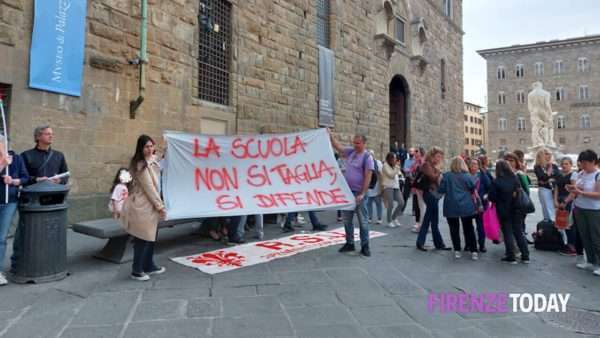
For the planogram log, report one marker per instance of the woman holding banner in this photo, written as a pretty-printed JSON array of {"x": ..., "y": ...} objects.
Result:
[
  {"x": 143, "y": 209},
  {"x": 17, "y": 176}
]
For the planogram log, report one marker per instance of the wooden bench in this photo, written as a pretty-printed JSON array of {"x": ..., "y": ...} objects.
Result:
[{"x": 117, "y": 249}]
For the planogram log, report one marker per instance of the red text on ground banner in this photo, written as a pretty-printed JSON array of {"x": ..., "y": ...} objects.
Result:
[{"x": 273, "y": 245}]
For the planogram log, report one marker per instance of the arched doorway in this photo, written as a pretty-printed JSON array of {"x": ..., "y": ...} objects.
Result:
[{"x": 399, "y": 101}]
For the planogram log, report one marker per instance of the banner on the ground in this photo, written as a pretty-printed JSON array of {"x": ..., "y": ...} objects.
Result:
[
  {"x": 57, "y": 46},
  {"x": 240, "y": 256},
  {"x": 210, "y": 176}
]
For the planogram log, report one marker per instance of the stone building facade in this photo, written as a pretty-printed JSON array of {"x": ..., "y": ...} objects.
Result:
[
  {"x": 398, "y": 76},
  {"x": 475, "y": 130},
  {"x": 569, "y": 69}
]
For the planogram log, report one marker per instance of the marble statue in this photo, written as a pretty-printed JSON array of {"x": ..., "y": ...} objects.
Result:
[{"x": 542, "y": 117}]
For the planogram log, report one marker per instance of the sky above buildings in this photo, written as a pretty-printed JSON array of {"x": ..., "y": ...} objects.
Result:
[{"x": 501, "y": 23}]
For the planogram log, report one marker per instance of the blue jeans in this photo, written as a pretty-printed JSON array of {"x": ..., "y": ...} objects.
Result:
[
  {"x": 236, "y": 228},
  {"x": 431, "y": 217},
  {"x": 7, "y": 212},
  {"x": 361, "y": 214},
  {"x": 312, "y": 215},
  {"x": 143, "y": 256},
  {"x": 378, "y": 205}
]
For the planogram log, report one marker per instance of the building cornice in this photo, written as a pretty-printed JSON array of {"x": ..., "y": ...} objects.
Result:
[
  {"x": 541, "y": 46},
  {"x": 472, "y": 104}
]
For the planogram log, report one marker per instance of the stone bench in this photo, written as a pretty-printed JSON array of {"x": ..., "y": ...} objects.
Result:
[{"x": 117, "y": 249}]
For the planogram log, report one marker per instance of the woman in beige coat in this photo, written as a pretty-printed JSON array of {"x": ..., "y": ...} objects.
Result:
[{"x": 143, "y": 209}]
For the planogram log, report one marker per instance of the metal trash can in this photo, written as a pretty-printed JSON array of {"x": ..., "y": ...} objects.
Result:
[{"x": 41, "y": 241}]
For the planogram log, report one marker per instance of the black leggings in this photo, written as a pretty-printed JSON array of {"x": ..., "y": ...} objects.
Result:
[{"x": 468, "y": 231}]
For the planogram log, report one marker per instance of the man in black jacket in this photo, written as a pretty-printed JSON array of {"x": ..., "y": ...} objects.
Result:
[{"x": 42, "y": 161}]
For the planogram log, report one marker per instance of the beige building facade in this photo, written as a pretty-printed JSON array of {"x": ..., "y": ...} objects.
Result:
[
  {"x": 251, "y": 66},
  {"x": 568, "y": 69},
  {"x": 475, "y": 129}
]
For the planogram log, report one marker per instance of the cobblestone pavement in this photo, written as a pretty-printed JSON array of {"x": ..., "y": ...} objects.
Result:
[{"x": 320, "y": 293}]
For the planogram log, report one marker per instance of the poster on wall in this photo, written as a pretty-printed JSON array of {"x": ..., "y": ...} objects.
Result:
[
  {"x": 57, "y": 46},
  {"x": 212, "y": 176}
]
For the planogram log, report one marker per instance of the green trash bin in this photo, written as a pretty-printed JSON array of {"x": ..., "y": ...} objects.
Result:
[{"x": 41, "y": 241}]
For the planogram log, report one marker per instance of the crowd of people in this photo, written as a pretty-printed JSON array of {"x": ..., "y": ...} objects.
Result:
[{"x": 468, "y": 190}]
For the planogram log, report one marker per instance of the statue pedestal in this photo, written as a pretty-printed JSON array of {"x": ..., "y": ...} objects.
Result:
[{"x": 555, "y": 150}]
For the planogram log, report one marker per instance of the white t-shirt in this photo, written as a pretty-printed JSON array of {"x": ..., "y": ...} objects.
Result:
[
  {"x": 119, "y": 195},
  {"x": 376, "y": 191},
  {"x": 587, "y": 183}
]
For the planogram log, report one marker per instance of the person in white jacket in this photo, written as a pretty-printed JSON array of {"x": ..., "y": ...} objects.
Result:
[{"x": 391, "y": 189}]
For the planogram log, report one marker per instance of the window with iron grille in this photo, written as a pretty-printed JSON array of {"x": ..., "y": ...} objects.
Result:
[
  {"x": 399, "y": 30},
  {"x": 323, "y": 23},
  {"x": 214, "y": 51}
]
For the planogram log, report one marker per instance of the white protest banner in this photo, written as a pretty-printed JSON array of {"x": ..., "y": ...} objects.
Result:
[
  {"x": 240, "y": 256},
  {"x": 210, "y": 176}
]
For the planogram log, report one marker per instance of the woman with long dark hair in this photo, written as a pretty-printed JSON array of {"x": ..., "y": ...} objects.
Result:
[
  {"x": 144, "y": 208},
  {"x": 503, "y": 192}
]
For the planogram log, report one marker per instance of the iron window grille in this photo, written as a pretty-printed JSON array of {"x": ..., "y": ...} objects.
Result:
[
  {"x": 323, "y": 23},
  {"x": 214, "y": 60}
]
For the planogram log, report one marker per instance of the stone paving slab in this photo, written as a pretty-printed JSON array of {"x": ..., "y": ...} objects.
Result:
[
  {"x": 164, "y": 309},
  {"x": 170, "y": 328},
  {"x": 294, "y": 295},
  {"x": 107, "y": 308},
  {"x": 257, "y": 326},
  {"x": 332, "y": 331},
  {"x": 251, "y": 306},
  {"x": 381, "y": 315},
  {"x": 400, "y": 331},
  {"x": 204, "y": 307},
  {"x": 467, "y": 332},
  {"x": 92, "y": 332},
  {"x": 320, "y": 316}
]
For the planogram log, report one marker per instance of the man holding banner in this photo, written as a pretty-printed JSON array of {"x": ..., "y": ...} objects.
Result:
[{"x": 359, "y": 168}]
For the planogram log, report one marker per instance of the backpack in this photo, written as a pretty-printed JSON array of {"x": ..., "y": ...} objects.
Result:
[
  {"x": 374, "y": 178},
  {"x": 547, "y": 236}
]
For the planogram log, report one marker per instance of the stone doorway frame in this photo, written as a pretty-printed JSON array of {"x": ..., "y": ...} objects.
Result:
[{"x": 399, "y": 84}]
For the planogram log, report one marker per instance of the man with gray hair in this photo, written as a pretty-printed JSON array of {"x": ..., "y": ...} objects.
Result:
[
  {"x": 42, "y": 161},
  {"x": 359, "y": 168}
]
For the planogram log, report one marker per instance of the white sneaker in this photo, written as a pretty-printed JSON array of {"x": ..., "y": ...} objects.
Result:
[
  {"x": 416, "y": 228},
  {"x": 597, "y": 271},
  {"x": 474, "y": 256},
  {"x": 160, "y": 270},
  {"x": 3, "y": 280},
  {"x": 585, "y": 266},
  {"x": 140, "y": 277},
  {"x": 397, "y": 222},
  {"x": 391, "y": 225},
  {"x": 300, "y": 219},
  {"x": 457, "y": 254},
  {"x": 580, "y": 259},
  {"x": 379, "y": 221}
]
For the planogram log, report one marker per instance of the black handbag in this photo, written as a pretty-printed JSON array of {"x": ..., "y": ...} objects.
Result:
[{"x": 522, "y": 202}]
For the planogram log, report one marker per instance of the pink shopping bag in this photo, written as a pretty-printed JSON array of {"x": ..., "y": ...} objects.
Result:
[{"x": 491, "y": 224}]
